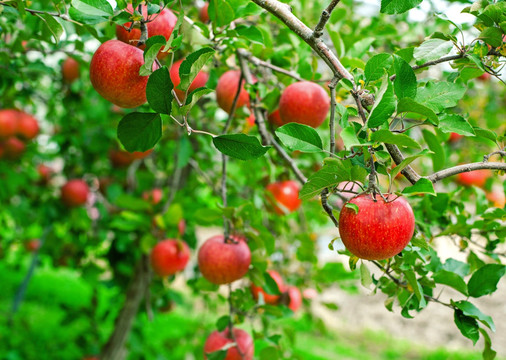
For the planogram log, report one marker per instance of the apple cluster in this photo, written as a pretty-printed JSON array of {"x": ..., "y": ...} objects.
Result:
[{"x": 16, "y": 129}]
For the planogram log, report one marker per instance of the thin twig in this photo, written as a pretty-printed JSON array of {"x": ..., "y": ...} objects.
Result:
[
  {"x": 435, "y": 62},
  {"x": 440, "y": 175},
  {"x": 258, "y": 62},
  {"x": 324, "y": 18}
]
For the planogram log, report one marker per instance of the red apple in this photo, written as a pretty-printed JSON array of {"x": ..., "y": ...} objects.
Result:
[
  {"x": 114, "y": 73},
  {"x": 14, "y": 148},
  {"x": 204, "y": 13},
  {"x": 8, "y": 122},
  {"x": 27, "y": 126},
  {"x": 120, "y": 158},
  {"x": 218, "y": 340},
  {"x": 199, "y": 81},
  {"x": 222, "y": 262},
  {"x": 275, "y": 119},
  {"x": 70, "y": 70},
  {"x": 476, "y": 177},
  {"x": 169, "y": 257},
  {"x": 32, "y": 245},
  {"x": 454, "y": 137},
  {"x": 484, "y": 77},
  {"x": 305, "y": 103},
  {"x": 74, "y": 192},
  {"x": 269, "y": 299},
  {"x": 380, "y": 229},
  {"x": 285, "y": 196},
  {"x": 497, "y": 197},
  {"x": 295, "y": 298},
  {"x": 161, "y": 24},
  {"x": 138, "y": 155},
  {"x": 227, "y": 88},
  {"x": 181, "y": 227},
  {"x": 154, "y": 196},
  {"x": 45, "y": 173}
]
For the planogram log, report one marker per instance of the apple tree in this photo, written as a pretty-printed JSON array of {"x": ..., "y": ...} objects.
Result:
[{"x": 272, "y": 121}]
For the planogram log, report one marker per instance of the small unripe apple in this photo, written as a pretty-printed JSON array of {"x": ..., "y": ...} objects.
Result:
[
  {"x": 70, "y": 70},
  {"x": 204, "y": 13},
  {"x": 295, "y": 298},
  {"x": 222, "y": 262},
  {"x": 27, "y": 126},
  {"x": 476, "y": 177},
  {"x": 154, "y": 196},
  {"x": 199, "y": 81},
  {"x": 74, "y": 193},
  {"x": 285, "y": 196},
  {"x": 8, "y": 122},
  {"x": 380, "y": 229},
  {"x": 169, "y": 257},
  {"x": 305, "y": 103},
  {"x": 218, "y": 340},
  {"x": 14, "y": 148},
  {"x": 114, "y": 73},
  {"x": 162, "y": 24},
  {"x": 268, "y": 298},
  {"x": 275, "y": 119},
  {"x": 227, "y": 88}
]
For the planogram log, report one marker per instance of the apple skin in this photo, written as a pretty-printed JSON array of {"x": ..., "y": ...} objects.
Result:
[
  {"x": 154, "y": 196},
  {"x": 45, "y": 173},
  {"x": 217, "y": 340},
  {"x": 275, "y": 119},
  {"x": 268, "y": 298},
  {"x": 199, "y": 81},
  {"x": 223, "y": 262},
  {"x": 286, "y": 196},
  {"x": 8, "y": 122},
  {"x": 476, "y": 177},
  {"x": 484, "y": 77},
  {"x": 114, "y": 73},
  {"x": 379, "y": 230},
  {"x": 163, "y": 24},
  {"x": 14, "y": 148},
  {"x": 74, "y": 193},
  {"x": 305, "y": 103},
  {"x": 32, "y": 245},
  {"x": 295, "y": 298},
  {"x": 497, "y": 197},
  {"x": 454, "y": 137},
  {"x": 227, "y": 88},
  {"x": 27, "y": 126},
  {"x": 169, "y": 257},
  {"x": 181, "y": 227},
  {"x": 204, "y": 13},
  {"x": 70, "y": 70}
]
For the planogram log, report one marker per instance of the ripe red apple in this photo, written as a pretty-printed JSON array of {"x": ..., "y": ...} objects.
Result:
[
  {"x": 14, "y": 148},
  {"x": 114, "y": 73},
  {"x": 169, "y": 257},
  {"x": 32, "y": 245},
  {"x": 269, "y": 299},
  {"x": 27, "y": 126},
  {"x": 199, "y": 81},
  {"x": 138, "y": 155},
  {"x": 162, "y": 24},
  {"x": 204, "y": 13},
  {"x": 454, "y": 137},
  {"x": 222, "y": 262},
  {"x": 295, "y": 298},
  {"x": 8, "y": 122},
  {"x": 484, "y": 77},
  {"x": 227, "y": 88},
  {"x": 120, "y": 158},
  {"x": 380, "y": 229},
  {"x": 476, "y": 177},
  {"x": 218, "y": 340},
  {"x": 74, "y": 192},
  {"x": 305, "y": 103},
  {"x": 181, "y": 227},
  {"x": 45, "y": 173},
  {"x": 275, "y": 119},
  {"x": 285, "y": 196},
  {"x": 70, "y": 70},
  {"x": 154, "y": 196}
]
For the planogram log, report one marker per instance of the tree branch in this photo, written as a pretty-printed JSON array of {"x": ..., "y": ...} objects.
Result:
[
  {"x": 440, "y": 175},
  {"x": 435, "y": 62},
  {"x": 325, "y": 16},
  {"x": 258, "y": 62}
]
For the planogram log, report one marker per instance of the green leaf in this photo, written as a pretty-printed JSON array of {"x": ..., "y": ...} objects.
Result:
[
  {"x": 455, "y": 123},
  {"x": 84, "y": 18},
  {"x": 398, "y": 6},
  {"x": 469, "y": 309},
  {"x": 422, "y": 186},
  {"x": 93, "y": 7},
  {"x": 221, "y": 12},
  {"x": 440, "y": 95},
  {"x": 54, "y": 27},
  {"x": 191, "y": 66},
  {"x": 218, "y": 355},
  {"x": 150, "y": 55},
  {"x": 222, "y": 322},
  {"x": 192, "y": 99},
  {"x": 159, "y": 91},
  {"x": 484, "y": 280},
  {"x": 352, "y": 206},
  {"x": 240, "y": 146},
  {"x": 484, "y": 133},
  {"x": 250, "y": 33},
  {"x": 432, "y": 49},
  {"x": 377, "y": 66},
  {"x": 365, "y": 275},
  {"x": 269, "y": 353},
  {"x": 405, "y": 79},
  {"x": 384, "y": 106},
  {"x": 438, "y": 156},
  {"x": 271, "y": 286},
  {"x": 300, "y": 137},
  {"x": 349, "y": 137},
  {"x": 467, "y": 325},
  {"x": 492, "y": 36},
  {"x": 451, "y": 279},
  {"x": 417, "y": 288},
  {"x": 388, "y": 137},
  {"x": 410, "y": 105},
  {"x": 488, "y": 353},
  {"x": 140, "y": 131},
  {"x": 408, "y": 160}
]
